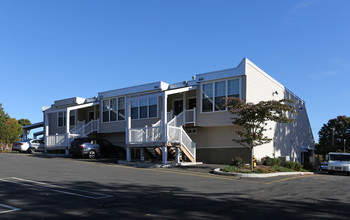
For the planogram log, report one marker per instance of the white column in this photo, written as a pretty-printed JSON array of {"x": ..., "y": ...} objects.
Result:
[
  {"x": 46, "y": 129},
  {"x": 128, "y": 127},
  {"x": 165, "y": 154},
  {"x": 184, "y": 104},
  {"x": 165, "y": 120},
  {"x": 67, "y": 130},
  {"x": 128, "y": 121}
]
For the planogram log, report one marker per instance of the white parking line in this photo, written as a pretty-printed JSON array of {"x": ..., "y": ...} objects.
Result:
[
  {"x": 46, "y": 186},
  {"x": 11, "y": 208}
]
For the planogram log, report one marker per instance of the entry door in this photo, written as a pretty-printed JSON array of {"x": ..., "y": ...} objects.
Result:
[
  {"x": 178, "y": 106},
  {"x": 191, "y": 103},
  {"x": 91, "y": 116}
]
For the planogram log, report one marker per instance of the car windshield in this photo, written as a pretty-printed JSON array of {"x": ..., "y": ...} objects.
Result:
[{"x": 339, "y": 157}]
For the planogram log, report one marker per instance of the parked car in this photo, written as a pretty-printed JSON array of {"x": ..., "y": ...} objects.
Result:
[
  {"x": 29, "y": 146},
  {"x": 95, "y": 147}
]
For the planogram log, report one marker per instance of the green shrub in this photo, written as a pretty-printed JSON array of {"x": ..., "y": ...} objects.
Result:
[
  {"x": 237, "y": 162},
  {"x": 268, "y": 161},
  {"x": 233, "y": 169},
  {"x": 276, "y": 161},
  {"x": 293, "y": 165}
]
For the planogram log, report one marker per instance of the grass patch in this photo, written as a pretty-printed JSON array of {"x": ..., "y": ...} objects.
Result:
[{"x": 260, "y": 169}]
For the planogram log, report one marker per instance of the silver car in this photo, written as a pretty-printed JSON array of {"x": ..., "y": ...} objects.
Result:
[
  {"x": 30, "y": 146},
  {"x": 95, "y": 147}
]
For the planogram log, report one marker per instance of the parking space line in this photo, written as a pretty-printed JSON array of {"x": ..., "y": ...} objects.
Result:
[
  {"x": 11, "y": 208},
  {"x": 191, "y": 173},
  {"x": 289, "y": 178},
  {"x": 46, "y": 186}
]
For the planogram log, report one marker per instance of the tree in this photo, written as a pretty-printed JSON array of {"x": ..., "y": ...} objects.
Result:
[
  {"x": 10, "y": 128},
  {"x": 253, "y": 118},
  {"x": 11, "y": 132},
  {"x": 333, "y": 134},
  {"x": 24, "y": 122},
  {"x": 3, "y": 116}
]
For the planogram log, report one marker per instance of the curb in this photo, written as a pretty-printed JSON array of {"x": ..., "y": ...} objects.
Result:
[
  {"x": 156, "y": 165},
  {"x": 260, "y": 175}
]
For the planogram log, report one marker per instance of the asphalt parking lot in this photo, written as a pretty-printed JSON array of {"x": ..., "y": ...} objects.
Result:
[{"x": 36, "y": 187}]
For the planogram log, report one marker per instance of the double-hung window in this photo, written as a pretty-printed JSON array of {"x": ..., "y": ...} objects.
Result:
[
  {"x": 105, "y": 114},
  {"x": 72, "y": 117},
  {"x": 135, "y": 109},
  {"x": 113, "y": 109},
  {"x": 214, "y": 94},
  {"x": 207, "y": 97},
  {"x": 143, "y": 108},
  {"x": 61, "y": 119},
  {"x": 121, "y": 108},
  {"x": 152, "y": 107}
]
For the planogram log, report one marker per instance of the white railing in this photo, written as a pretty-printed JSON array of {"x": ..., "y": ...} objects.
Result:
[
  {"x": 158, "y": 123},
  {"x": 190, "y": 116},
  {"x": 145, "y": 135},
  {"x": 179, "y": 135},
  {"x": 175, "y": 132},
  {"x": 58, "y": 140},
  {"x": 77, "y": 127},
  {"x": 185, "y": 117},
  {"x": 170, "y": 115},
  {"x": 90, "y": 127}
]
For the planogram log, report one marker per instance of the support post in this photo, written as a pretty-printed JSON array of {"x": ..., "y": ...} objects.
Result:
[
  {"x": 178, "y": 153},
  {"x": 128, "y": 124},
  {"x": 184, "y": 106},
  {"x": 165, "y": 113},
  {"x": 142, "y": 154},
  {"x": 194, "y": 116},
  {"x": 128, "y": 154},
  {"x": 67, "y": 130},
  {"x": 165, "y": 154}
]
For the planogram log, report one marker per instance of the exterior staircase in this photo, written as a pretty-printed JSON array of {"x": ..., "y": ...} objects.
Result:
[{"x": 176, "y": 137}]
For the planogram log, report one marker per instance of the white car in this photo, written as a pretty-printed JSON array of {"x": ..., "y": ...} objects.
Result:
[{"x": 30, "y": 146}]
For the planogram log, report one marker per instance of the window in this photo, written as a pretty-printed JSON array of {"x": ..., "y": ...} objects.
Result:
[
  {"x": 207, "y": 97},
  {"x": 134, "y": 109},
  {"x": 220, "y": 95},
  {"x": 153, "y": 107},
  {"x": 113, "y": 109},
  {"x": 61, "y": 119},
  {"x": 121, "y": 108},
  {"x": 233, "y": 88},
  {"x": 213, "y": 94},
  {"x": 105, "y": 110},
  {"x": 143, "y": 108},
  {"x": 72, "y": 118}
]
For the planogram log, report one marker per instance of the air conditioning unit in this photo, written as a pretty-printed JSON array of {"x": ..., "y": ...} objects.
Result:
[{"x": 284, "y": 159}]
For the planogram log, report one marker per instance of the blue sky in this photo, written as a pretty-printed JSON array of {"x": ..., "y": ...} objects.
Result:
[{"x": 58, "y": 49}]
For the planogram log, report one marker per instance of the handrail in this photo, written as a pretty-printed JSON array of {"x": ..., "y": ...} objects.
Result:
[{"x": 179, "y": 135}]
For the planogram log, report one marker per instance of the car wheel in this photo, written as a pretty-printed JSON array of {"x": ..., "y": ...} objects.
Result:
[
  {"x": 31, "y": 150},
  {"x": 92, "y": 154}
]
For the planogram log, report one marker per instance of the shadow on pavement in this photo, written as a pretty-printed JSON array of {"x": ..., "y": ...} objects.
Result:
[{"x": 159, "y": 202}]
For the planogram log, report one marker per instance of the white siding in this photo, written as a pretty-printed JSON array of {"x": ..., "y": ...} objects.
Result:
[{"x": 288, "y": 138}]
